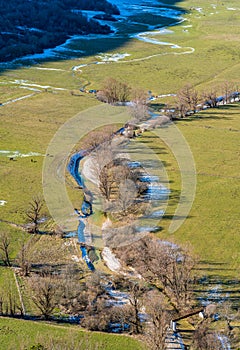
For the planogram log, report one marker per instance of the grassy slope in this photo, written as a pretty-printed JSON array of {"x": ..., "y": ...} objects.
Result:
[
  {"x": 213, "y": 221},
  {"x": 18, "y": 334},
  {"x": 7, "y": 279}
]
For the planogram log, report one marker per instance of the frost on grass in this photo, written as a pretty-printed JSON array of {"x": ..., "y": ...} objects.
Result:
[
  {"x": 109, "y": 57},
  {"x": 17, "y": 154}
]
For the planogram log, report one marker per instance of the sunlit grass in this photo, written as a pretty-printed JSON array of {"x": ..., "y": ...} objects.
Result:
[{"x": 17, "y": 333}]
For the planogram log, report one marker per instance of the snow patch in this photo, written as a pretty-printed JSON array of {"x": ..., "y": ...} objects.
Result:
[
  {"x": 25, "y": 83},
  {"x": 114, "y": 57},
  {"x": 15, "y": 154},
  {"x": 17, "y": 99},
  {"x": 166, "y": 95},
  {"x": 53, "y": 69},
  {"x": 75, "y": 258},
  {"x": 224, "y": 342},
  {"x": 29, "y": 88},
  {"x": 198, "y": 9},
  {"x": 111, "y": 260}
]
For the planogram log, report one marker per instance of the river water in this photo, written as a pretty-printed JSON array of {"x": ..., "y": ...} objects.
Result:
[{"x": 137, "y": 19}]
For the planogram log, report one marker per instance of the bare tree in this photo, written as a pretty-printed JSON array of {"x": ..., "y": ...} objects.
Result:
[
  {"x": 96, "y": 316},
  {"x": 139, "y": 110},
  {"x": 133, "y": 310},
  {"x": 114, "y": 91},
  {"x": 195, "y": 100},
  {"x": 24, "y": 258},
  {"x": 167, "y": 266},
  {"x": 226, "y": 311},
  {"x": 127, "y": 195},
  {"x": 98, "y": 137},
  {"x": 95, "y": 287},
  {"x": 136, "y": 303},
  {"x": 45, "y": 294},
  {"x": 181, "y": 108},
  {"x": 187, "y": 100},
  {"x": 34, "y": 212},
  {"x": 102, "y": 160},
  {"x": 227, "y": 89},
  {"x": 158, "y": 321},
  {"x": 106, "y": 182},
  {"x": 204, "y": 338},
  {"x": 74, "y": 295},
  {"x": 210, "y": 98},
  {"x": 139, "y": 95},
  {"x": 5, "y": 249}
]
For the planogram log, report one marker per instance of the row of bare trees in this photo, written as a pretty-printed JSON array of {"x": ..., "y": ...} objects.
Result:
[
  {"x": 171, "y": 273},
  {"x": 119, "y": 185},
  {"x": 168, "y": 267},
  {"x": 189, "y": 100},
  {"x": 9, "y": 301}
]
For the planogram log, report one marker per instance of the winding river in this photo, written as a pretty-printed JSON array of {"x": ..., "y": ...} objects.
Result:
[
  {"x": 156, "y": 194},
  {"x": 86, "y": 208},
  {"x": 126, "y": 27}
]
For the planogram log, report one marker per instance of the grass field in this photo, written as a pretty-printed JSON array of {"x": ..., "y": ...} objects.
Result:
[
  {"x": 18, "y": 334},
  {"x": 207, "y": 57},
  {"x": 212, "y": 225}
]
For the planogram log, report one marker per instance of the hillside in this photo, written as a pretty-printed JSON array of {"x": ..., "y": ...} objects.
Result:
[{"x": 28, "y": 27}]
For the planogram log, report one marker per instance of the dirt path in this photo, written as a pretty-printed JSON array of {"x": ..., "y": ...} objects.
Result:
[{"x": 19, "y": 291}]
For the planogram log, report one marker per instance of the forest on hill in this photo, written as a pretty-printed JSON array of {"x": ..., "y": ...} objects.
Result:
[{"x": 29, "y": 27}]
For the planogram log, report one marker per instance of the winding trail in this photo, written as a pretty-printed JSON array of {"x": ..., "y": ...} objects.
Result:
[{"x": 19, "y": 291}]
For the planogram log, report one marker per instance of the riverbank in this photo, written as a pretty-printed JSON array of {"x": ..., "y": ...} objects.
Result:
[
  {"x": 130, "y": 151},
  {"x": 28, "y": 125}
]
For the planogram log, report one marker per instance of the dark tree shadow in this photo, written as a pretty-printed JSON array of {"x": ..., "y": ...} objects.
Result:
[{"x": 96, "y": 44}]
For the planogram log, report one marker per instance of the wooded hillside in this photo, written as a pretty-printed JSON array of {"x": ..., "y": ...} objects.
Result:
[{"x": 28, "y": 27}]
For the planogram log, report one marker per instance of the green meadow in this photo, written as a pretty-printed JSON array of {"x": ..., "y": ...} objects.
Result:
[
  {"x": 207, "y": 56},
  {"x": 18, "y": 334},
  {"x": 213, "y": 222}
]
